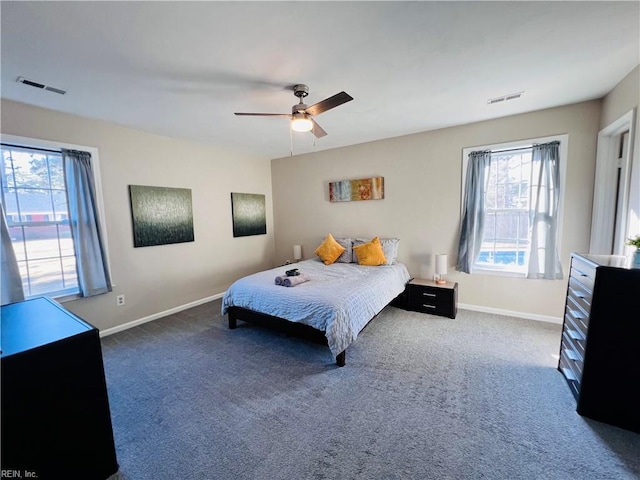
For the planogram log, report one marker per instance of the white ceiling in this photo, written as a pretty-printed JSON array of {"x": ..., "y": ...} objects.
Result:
[{"x": 181, "y": 69}]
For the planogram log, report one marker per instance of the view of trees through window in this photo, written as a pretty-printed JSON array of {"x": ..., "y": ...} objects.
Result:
[
  {"x": 35, "y": 204},
  {"x": 506, "y": 230}
]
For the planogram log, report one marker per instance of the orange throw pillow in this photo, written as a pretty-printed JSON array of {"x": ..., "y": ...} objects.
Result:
[
  {"x": 370, "y": 253},
  {"x": 329, "y": 250}
]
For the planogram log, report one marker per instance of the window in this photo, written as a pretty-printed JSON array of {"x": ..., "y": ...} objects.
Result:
[
  {"x": 510, "y": 183},
  {"x": 506, "y": 229},
  {"x": 34, "y": 197},
  {"x": 35, "y": 202}
]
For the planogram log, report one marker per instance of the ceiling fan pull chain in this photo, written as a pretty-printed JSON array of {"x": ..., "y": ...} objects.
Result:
[{"x": 291, "y": 141}]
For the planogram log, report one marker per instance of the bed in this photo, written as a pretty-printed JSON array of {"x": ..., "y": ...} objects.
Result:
[{"x": 332, "y": 307}]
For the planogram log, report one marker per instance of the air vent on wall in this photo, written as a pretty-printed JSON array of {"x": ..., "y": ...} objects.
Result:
[
  {"x": 42, "y": 86},
  {"x": 504, "y": 98}
]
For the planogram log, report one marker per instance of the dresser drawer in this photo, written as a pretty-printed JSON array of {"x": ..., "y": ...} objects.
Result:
[
  {"x": 576, "y": 335},
  {"x": 574, "y": 359},
  {"x": 581, "y": 295},
  {"x": 584, "y": 272},
  {"x": 579, "y": 315},
  {"x": 425, "y": 307},
  {"x": 575, "y": 344},
  {"x": 431, "y": 296},
  {"x": 565, "y": 367}
]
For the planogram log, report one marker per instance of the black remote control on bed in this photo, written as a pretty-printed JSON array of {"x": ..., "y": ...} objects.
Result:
[{"x": 292, "y": 272}]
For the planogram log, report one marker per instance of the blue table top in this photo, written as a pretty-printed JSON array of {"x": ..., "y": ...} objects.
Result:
[{"x": 37, "y": 322}]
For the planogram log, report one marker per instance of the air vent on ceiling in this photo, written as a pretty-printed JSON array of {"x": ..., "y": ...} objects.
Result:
[
  {"x": 49, "y": 88},
  {"x": 504, "y": 98}
]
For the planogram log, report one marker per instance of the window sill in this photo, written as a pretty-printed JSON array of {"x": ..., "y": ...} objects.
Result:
[
  {"x": 58, "y": 297},
  {"x": 498, "y": 272},
  {"x": 67, "y": 297}
]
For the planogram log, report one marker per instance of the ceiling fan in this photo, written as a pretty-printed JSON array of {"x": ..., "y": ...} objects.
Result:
[{"x": 302, "y": 115}]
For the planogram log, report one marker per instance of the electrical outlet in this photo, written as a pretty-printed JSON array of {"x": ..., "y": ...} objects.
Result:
[{"x": 120, "y": 300}]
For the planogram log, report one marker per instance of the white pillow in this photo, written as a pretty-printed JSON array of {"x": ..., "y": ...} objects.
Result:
[
  {"x": 390, "y": 249},
  {"x": 346, "y": 256}
]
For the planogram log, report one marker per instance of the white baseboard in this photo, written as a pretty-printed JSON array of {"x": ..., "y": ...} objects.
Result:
[
  {"x": 511, "y": 313},
  {"x": 155, "y": 316},
  {"x": 463, "y": 306}
]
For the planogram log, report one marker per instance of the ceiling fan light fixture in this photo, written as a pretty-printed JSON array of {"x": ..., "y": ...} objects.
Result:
[
  {"x": 302, "y": 116},
  {"x": 301, "y": 123}
]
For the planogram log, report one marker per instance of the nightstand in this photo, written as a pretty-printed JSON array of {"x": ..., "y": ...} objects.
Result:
[{"x": 427, "y": 296}]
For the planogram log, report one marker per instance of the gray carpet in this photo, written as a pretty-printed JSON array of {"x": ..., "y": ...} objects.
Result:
[{"x": 421, "y": 397}]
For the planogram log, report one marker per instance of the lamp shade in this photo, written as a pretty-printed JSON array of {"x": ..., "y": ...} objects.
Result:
[
  {"x": 441, "y": 264},
  {"x": 297, "y": 252}
]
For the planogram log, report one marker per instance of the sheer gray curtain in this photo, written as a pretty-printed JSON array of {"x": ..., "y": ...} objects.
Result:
[
  {"x": 91, "y": 260},
  {"x": 473, "y": 214},
  {"x": 10, "y": 273},
  {"x": 545, "y": 198}
]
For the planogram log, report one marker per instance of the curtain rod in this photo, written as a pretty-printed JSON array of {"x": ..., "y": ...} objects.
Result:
[
  {"x": 529, "y": 147},
  {"x": 512, "y": 149},
  {"x": 30, "y": 148}
]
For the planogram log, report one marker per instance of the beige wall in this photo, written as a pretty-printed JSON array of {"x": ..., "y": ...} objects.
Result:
[
  {"x": 623, "y": 98},
  {"x": 422, "y": 206},
  {"x": 422, "y": 175},
  {"x": 159, "y": 278}
]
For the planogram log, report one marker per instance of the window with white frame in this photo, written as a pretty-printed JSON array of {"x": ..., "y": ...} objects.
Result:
[
  {"x": 35, "y": 203},
  {"x": 510, "y": 183}
]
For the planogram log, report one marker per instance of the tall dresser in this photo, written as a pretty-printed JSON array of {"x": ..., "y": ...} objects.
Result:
[
  {"x": 56, "y": 421},
  {"x": 600, "y": 347}
]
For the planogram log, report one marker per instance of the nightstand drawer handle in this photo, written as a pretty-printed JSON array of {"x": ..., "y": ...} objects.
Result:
[
  {"x": 428, "y": 294},
  {"x": 428, "y": 306}
]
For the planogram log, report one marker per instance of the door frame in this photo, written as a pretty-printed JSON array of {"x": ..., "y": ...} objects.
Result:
[{"x": 604, "y": 195}]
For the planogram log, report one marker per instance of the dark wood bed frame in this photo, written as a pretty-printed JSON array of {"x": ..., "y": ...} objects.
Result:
[{"x": 285, "y": 326}]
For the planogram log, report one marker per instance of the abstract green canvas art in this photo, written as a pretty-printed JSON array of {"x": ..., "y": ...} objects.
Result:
[
  {"x": 161, "y": 215},
  {"x": 249, "y": 214}
]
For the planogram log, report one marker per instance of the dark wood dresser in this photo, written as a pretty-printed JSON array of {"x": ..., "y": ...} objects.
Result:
[
  {"x": 56, "y": 421},
  {"x": 599, "y": 352}
]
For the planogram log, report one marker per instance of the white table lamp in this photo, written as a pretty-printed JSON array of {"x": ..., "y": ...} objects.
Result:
[
  {"x": 441, "y": 269},
  {"x": 297, "y": 253}
]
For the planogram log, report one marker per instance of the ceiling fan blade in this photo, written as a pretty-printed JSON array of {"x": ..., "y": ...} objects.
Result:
[
  {"x": 329, "y": 103},
  {"x": 265, "y": 114},
  {"x": 317, "y": 130}
]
